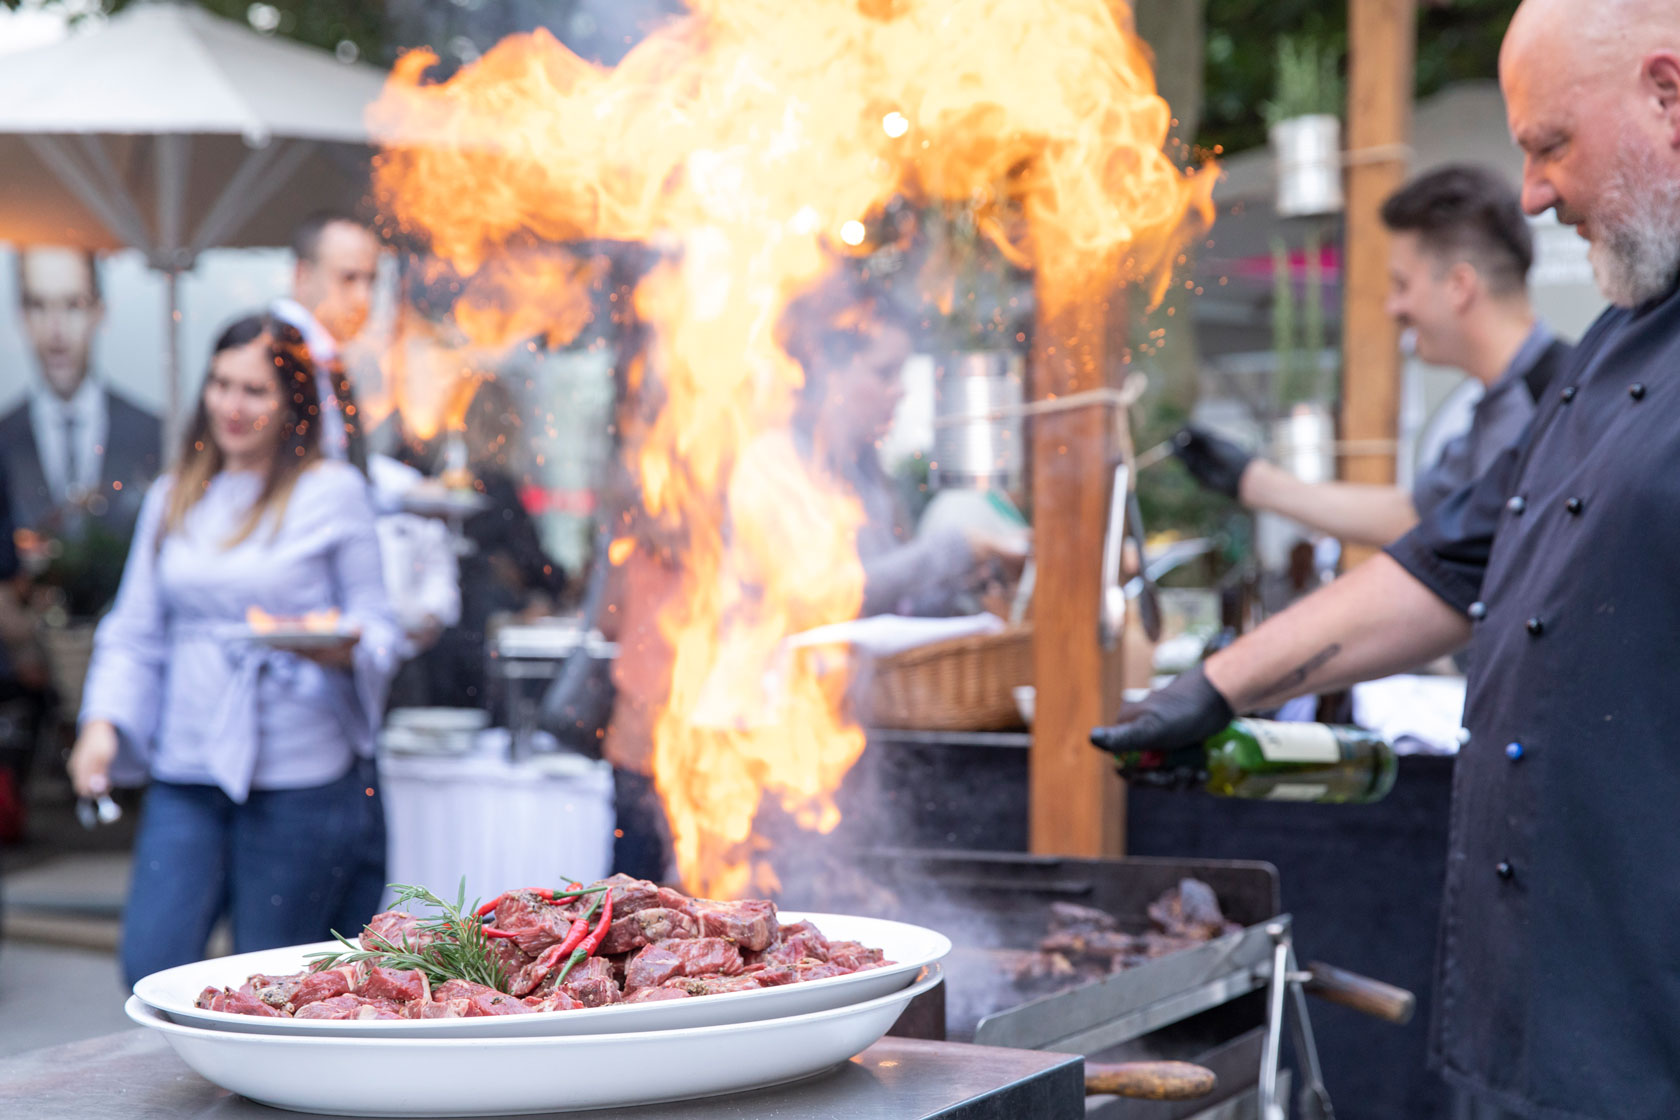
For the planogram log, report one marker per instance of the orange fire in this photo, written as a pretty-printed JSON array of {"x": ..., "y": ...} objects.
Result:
[{"x": 752, "y": 142}]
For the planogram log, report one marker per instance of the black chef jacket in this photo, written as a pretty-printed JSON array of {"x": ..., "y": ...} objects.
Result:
[{"x": 1558, "y": 983}]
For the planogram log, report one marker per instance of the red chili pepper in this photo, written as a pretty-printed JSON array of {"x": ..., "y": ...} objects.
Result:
[
  {"x": 492, "y": 931},
  {"x": 589, "y": 946}
]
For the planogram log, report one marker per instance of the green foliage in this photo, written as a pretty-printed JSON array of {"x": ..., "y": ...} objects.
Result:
[
  {"x": 1456, "y": 40},
  {"x": 1307, "y": 79}
]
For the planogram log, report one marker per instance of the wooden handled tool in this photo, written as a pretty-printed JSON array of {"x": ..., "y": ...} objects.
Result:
[
  {"x": 1151, "y": 1081},
  {"x": 1350, "y": 989}
]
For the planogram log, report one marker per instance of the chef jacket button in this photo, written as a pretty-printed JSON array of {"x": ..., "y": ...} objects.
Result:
[
  {"x": 1516, "y": 503},
  {"x": 1503, "y": 869},
  {"x": 1513, "y": 751},
  {"x": 1463, "y": 736},
  {"x": 1573, "y": 505},
  {"x": 1478, "y": 610},
  {"x": 1568, "y": 393},
  {"x": 1535, "y": 626},
  {"x": 1637, "y": 390}
]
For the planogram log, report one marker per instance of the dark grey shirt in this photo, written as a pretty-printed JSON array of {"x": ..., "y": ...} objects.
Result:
[{"x": 1498, "y": 419}]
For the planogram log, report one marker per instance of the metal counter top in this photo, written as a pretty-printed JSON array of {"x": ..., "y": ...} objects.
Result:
[{"x": 134, "y": 1075}]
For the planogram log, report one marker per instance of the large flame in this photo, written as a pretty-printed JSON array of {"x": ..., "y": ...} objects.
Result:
[{"x": 747, "y": 141}]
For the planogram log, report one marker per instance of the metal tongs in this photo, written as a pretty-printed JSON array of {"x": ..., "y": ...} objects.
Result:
[{"x": 93, "y": 812}]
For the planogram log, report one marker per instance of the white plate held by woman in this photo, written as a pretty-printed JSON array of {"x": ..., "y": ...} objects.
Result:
[
  {"x": 910, "y": 947},
  {"x": 510, "y": 1076}
]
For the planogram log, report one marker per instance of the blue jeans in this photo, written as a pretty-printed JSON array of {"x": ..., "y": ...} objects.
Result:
[{"x": 287, "y": 867}]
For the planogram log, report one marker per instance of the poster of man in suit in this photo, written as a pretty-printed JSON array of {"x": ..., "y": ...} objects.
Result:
[{"x": 77, "y": 453}]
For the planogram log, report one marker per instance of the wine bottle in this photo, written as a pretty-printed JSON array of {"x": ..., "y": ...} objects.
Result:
[{"x": 1267, "y": 760}]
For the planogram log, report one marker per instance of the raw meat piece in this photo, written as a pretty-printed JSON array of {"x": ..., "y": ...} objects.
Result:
[
  {"x": 750, "y": 923},
  {"x": 645, "y": 927},
  {"x": 630, "y": 895},
  {"x": 670, "y": 900},
  {"x": 817, "y": 970},
  {"x": 663, "y": 961},
  {"x": 241, "y": 1002},
  {"x": 397, "y": 927},
  {"x": 713, "y": 985},
  {"x": 853, "y": 955},
  {"x": 510, "y": 956},
  {"x": 655, "y": 995},
  {"x": 530, "y": 977},
  {"x": 800, "y": 940},
  {"x": 555, "y": 1001},
  {"x": 350, "y": 1007},
  {"x": 399, "y": 984},
  {"x": 534, "y": 922},
  {"x": 312, "y": 988},
  {"x": 440, "y": 1009},
  {"x": 651, "y": 967},
  {"x": 592, "y": 984}
]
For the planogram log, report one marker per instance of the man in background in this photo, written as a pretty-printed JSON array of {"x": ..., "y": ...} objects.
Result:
[
  {"x": 1459, "y": 255},
  {"x": 73, "y": 447},
  {"x": 332, "y": 294}
]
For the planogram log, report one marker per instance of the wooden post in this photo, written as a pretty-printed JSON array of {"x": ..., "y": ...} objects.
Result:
[
  {"x": 1381, "y": 42},
  {"x": 1076, "y": 803}
]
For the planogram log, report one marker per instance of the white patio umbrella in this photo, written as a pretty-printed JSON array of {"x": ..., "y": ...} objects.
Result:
[{"x": 170, "y": 130}]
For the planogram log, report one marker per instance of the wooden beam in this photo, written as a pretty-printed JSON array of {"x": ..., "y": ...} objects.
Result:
[
  {"x": 1076, "y": 803},
  {"x": 1382, "y": 36}
]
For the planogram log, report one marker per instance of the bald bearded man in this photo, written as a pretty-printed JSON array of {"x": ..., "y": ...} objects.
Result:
[{"x": 1558, "y": 980}]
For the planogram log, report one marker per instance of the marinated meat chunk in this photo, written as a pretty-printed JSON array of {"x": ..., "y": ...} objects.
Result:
[
  {"x": 655, "y": 995},
  {"x": 854, "y": 956},
  {"x": 479, "y": 999},
  {"x": 510, "y": 956},
  {"x": 817, "y": 970},
  {"x": 530, "y": 977},
  {"x": 713, "y": 985},
  {"x": 394, "y": 983},
  {"x": 798, "y": 941},
  {"x": 750, "y": 923},
  {"x": 651, "y": 967},
  {"x": 440, "y": 1009},
  {"x": 645, "y": 927},
  {"x": 592, "y": 983},
  {"x": 1091, "y": 944},
  {"x": 534, "y": 921},
  {"x": 397, "y": 928},
  {"x": 554, "y": 1001},
  {"x": 240, "y": 1002},
  {"x": 630, "y": 895},
  {"x": 311, "y": 988},
  {"x": 664, "y": 961},
  {"x": 351, "y": 1007},
  {"x": 670, "y": 900}
]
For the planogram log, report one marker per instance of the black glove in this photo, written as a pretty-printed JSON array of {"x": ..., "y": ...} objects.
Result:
[
  {"x": 1212, "y": 460},
  {"x": 1184, "y": 714}
]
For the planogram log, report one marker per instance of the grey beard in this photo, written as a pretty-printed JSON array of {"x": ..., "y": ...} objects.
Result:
[{"x": 1637, "y": 254}]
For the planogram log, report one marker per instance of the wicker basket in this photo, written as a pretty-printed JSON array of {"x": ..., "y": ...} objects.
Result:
[{"x": 965, "y": 684}]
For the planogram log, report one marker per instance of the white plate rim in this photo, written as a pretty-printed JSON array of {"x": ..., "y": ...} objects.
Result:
[{"x": 324, "y": 1028}]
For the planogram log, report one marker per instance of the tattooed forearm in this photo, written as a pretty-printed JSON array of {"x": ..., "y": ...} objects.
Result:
[{"x": 1291, "y": 682}]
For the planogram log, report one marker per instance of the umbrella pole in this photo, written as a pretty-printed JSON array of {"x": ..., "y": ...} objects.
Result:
[{"x": 172, "y": 366}]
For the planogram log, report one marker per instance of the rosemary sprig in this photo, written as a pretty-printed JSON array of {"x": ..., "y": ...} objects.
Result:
[{"x": 458, "y": 949}]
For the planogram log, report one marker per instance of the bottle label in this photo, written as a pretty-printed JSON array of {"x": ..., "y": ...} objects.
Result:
[
  {"x": 1296, "y": 742},
  {"x": 1297, "y": 791}
]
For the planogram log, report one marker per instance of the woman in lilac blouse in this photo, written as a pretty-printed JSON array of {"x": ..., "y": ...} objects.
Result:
[{"x": 262, "y": 804}]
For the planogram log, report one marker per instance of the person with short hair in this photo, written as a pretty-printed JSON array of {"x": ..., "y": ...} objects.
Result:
[
  {"x": 74, "y": 445},
  {"x": 336, "y": 266},
  {"x": 1459, "y": 255},
  {"x": 262, "y": 803},
  {"x": 1555, "y": 996}
]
